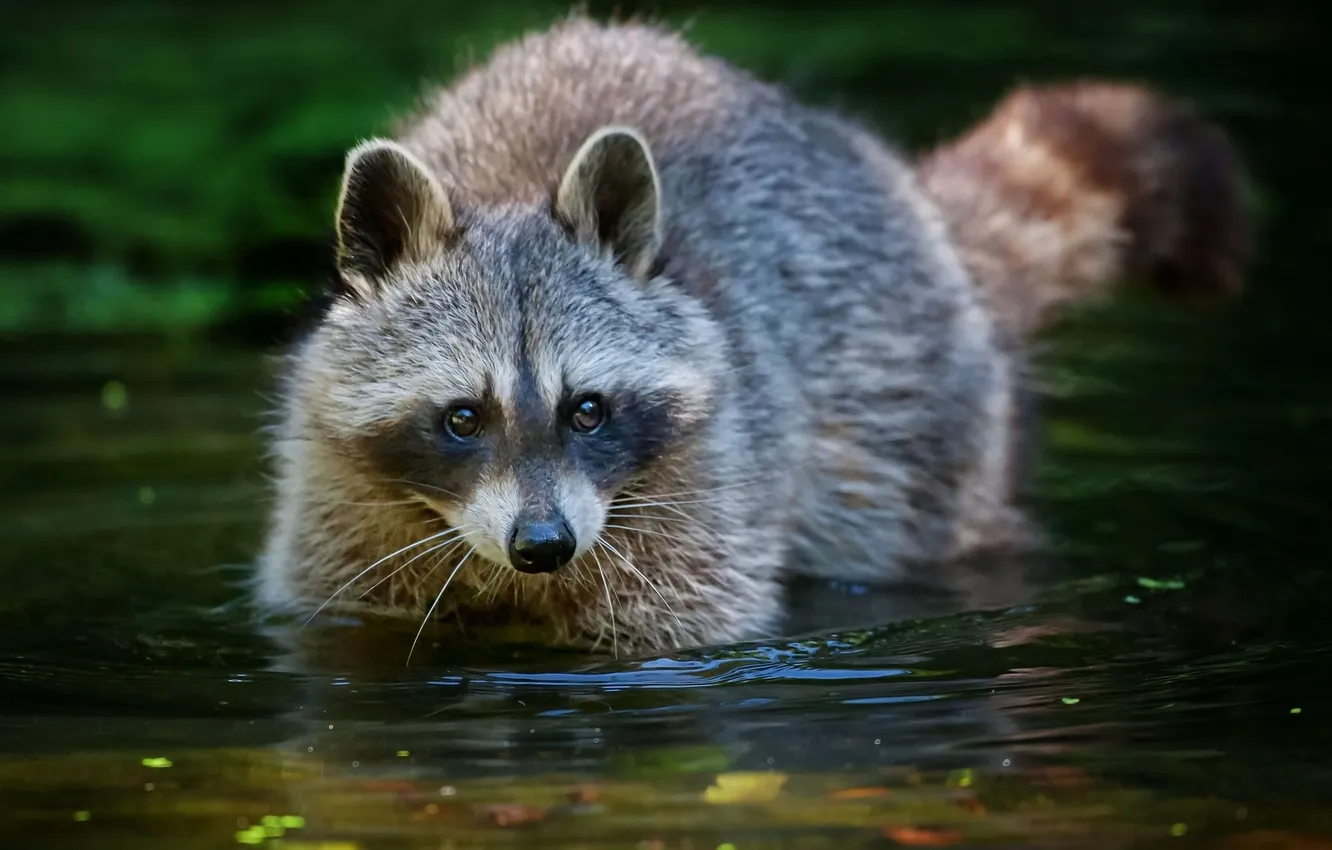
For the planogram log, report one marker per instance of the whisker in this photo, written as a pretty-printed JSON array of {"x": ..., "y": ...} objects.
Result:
[
  {"x": 636, "y": 571},
  {"x": 435, "y": 564},
  {"x": 659, "y": 504},
  {"x": 689, "y": 521},
  {"x": 425, "y": 486},
  {"x": 670, "y": 507},
  {"x": 673, "y": 507},
  {"x": 579, "y": 577},
  {"x": 496, "y": 571},
  {"x": 454, "y": 542},
  {"x": 656, "y": 517},
  {"x": 615, "y": 632},
  {"x": 430, "y": 613},
  {"x": 674, "y": 538},
  {"x": 731, "y": 486},
  {"x": 363, "y": 572}
]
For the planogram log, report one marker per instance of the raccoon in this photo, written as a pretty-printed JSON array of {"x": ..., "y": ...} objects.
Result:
[{"x": 622, "y": 337}]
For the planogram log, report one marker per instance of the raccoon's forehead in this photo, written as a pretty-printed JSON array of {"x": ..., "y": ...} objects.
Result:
[{"x": 516, "y": 307}]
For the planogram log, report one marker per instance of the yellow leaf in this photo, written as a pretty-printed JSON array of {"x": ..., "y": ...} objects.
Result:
[{"x": 754, "y": 787}]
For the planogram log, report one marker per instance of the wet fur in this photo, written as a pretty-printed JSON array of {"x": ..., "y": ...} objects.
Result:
[{"x": 820, "y": 347}]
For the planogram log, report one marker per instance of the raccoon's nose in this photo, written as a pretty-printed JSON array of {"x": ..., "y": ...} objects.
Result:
[{"x": 541, "y": 546}]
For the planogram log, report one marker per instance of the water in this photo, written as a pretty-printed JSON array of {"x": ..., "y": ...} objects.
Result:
[
  {"x": 1163, "y": 684},
  {"x": 1168, "y": 685}
]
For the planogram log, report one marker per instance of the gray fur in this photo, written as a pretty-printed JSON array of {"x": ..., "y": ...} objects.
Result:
[{"x": 829, "y": 394}]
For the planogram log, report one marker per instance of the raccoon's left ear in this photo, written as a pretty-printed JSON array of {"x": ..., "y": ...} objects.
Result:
[
  {"x": 391, "y": 210},
  {"x": 610, "y": 196}
]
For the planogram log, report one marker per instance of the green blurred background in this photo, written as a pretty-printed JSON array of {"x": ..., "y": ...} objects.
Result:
[{"x": 167, "y": 165}]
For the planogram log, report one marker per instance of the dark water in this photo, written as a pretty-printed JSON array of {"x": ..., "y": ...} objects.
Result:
[{"x": 1168, "y": 686}]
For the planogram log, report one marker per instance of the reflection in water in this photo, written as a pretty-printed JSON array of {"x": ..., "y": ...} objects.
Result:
[{"x": 980, "y": 734}]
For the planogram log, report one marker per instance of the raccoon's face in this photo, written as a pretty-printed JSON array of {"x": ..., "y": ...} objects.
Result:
[{"x": 515, "y": 368}]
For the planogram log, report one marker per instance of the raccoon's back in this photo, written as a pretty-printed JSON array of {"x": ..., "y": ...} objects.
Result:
[
  {"x": 504, "y": 131},
  {"x": 773, "y": 212}
]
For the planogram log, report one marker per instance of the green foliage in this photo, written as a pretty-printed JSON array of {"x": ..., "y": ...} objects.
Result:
[{"x": 167, "y": 153}]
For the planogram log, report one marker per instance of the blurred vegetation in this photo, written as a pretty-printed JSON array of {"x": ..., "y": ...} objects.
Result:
[{"x": 170, "y": 165}]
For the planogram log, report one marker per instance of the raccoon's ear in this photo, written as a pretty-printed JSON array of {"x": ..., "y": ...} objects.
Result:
[
  {"x": 611, "y": 196},
  {"x": 390, "y": 210}
]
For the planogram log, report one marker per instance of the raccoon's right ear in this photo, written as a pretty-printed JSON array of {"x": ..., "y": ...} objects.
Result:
[
  {"x": 610, "y": 196},
  {"x": 390, "y": 210}
]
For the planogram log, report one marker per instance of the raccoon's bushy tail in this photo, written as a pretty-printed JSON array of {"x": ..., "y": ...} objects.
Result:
[{"x": 1064, "y": 192}]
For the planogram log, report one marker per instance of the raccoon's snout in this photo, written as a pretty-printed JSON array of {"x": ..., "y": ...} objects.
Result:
[{"x": 541, "y": 545}]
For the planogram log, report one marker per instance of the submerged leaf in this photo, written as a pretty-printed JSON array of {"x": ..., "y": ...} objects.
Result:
[
  {"x": 859, "y": 793},
  {"x": 511, "y": 814},
  {"x": 1160, "y": 584},
  {"x": 922, "y": 836}
]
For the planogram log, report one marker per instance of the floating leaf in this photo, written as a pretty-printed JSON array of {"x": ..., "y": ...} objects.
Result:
[
  {"x": 585, "y": 795},
  {"x": 114, "y": 396},
  {"x": 961, "y": 778},
  {"x": 251, "y": 835},
  {"x": 745, "y": 787}
]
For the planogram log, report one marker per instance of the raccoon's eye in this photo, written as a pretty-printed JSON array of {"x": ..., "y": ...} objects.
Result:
[
  {"x": 462, "y": 421},
  {"x": 588, "y": 414}
]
